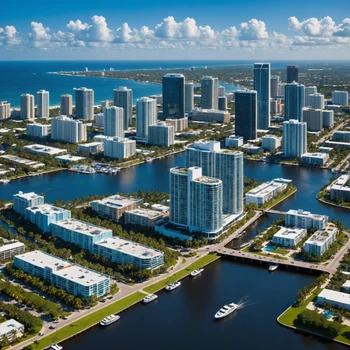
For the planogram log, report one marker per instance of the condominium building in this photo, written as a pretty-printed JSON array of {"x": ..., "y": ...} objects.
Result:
[
  {"x": 66, "y": 129},
  {"x": 210, "y": 115},
  {"x": 304, "y": 219},
  {"x": 84, "y": 103},
  {"x": 5, "y": 110},
  {"x": 189, "y": 96},
  {"x": 122, "y": 251},
  {"x": 276, "y": 106},
  {"x": 107, "y": 103},
  {"x": 113, "y": 121},
  {"x": 264, "y": 192},
  {"x": 316, "y": 101},
  {"x": 315, "y": 158},
  {"x": 43, "y": 99},
  {"x": 27, "y": 106},
  {"x": 340, "y": 98},
  {"x": 294, "y": 101},
  {"x": 178, "y": 124},
  {"x": 270, "y": 142},
  {"x": 341, "y": 135},
  {"x": 91, "y": 147},
  {"x": 66, "y": 104},
  {"x": 340, "y": 189},
  {"x": 22, "y": 201},
  {"x": 116, "y": 147},
  {"x": 336, "y": 299},
  {"x": 262, "y": 87},
  {"x": 146, "y": 115},
  {"x": 142, "y": 217},
  {"x": 37, "y": 130},
  {"x": 309, "y": 90},
  {"x": 289, "y": 237},
  {"x": 222, "y": 164},
  {"x": 292, "y": 74},
  {"x": 222, "y": 103},
  {"x": 44, "y": 150},
  {"x": 234, "y": 141},
  {"x": 113, "y": 207},
  {"x": 327, "y": 118},
  {"x": 321, "y": 240},
  {"x": 246, "y": 114},
  {"x": 173, "y": 96},
  {"x": 10, "y": 249},
  {"x": 209, "y": 87},
  {"x": 161, "y": 134},
  {"x": 83, "y": 234},
  {"x": 123, "y": 99},
  {"x": 12, "y": 329},
  {"x": 313, "y": 118},
  {"x": 274, "y": 82},
  {"x": 99, "y": 119},
  {"x": 45, "y": 214},
  {"x": 221, "y": 91},
  {"x": 74, "y": 279},
  {"x": 294, "y": 138}
]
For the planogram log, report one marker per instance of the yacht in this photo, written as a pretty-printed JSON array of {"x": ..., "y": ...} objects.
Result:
[
  {"x": 109, "y": 320},
  {"x": 4, "y": 181},
  {"x": 244, "y": 245},
  {"x": 172, "y": 286},
  {"x": 56, "y": 347},
  {"x": 195, "y": 273},
  {"x": 226, "y": 310},
  {"x": 149, "y": 298},
  {"x": 273, "y": 268}
]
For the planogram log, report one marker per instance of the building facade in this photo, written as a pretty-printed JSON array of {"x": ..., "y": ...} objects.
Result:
[
  {"x": 292, "y": 74},
  {"x": 309, "y": 90},
  {"x": 270, "y": 142},
  {"x": 246, "y": 112},
  {"x": 84, "y": 103},
  {"x": 161, "y": 134},
  {"x": 274, "y": 83},
  {"x": 119, "y": 148},
  {"x": 43, "y": 99},
  {"x": 37, "y": 130},
  {"x": 142, "y": 217},
  {"x": 262, "y": 87},
  {"x": 209, "y": 97},
  {"x": 5, "y": 110},
  {"x": 146, "y": 115},
  {"x": 340, "y": 98},
  {"x": 123, "y": 99},
  {"x": 320, "y": 241},
  {"x": 316, "y": 101},
  {"x": 210, "y": 115},
  {"x": 9, "y": 250},
  {"x": 294, "y": 138},
  {"x": 27, "y": 107},
  {"x": 304, "y": 219},
  {"x": 189, "y": 97},
  {"x": 11, "y": 329},
  {"x": 68, "y": 130},
  {"x": 178, "y": 124},
  {"x": 264, "y": 192},
  {"x": 313, "y": 119},
  {"x": 22, "y": 201},
  {"x": 294, "y": 101},
  {"x": 173, "y": 96},
  {"x": 327, "y": 118},
  {"x": 113, "y": 121},
  {"x": 289, "y": 237},
  {"x": 66, "y": 104}
]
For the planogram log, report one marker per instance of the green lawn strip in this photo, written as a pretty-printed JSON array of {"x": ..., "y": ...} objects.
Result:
[
  {"x": 281, "y": 251},
  {"x": 273, "y": 202},
  {"x": 205, "y": 260},
  {"x": 89, "y": 320},
  {"x": 268, "y": 255}
]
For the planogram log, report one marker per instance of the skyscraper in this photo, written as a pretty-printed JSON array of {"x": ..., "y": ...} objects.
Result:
[
  {"x": 84, "y": 103},
  {"x": 189, "y": 96},
  {"x": 309, "y": 90},
  {"x": 292, "y": 74},
  {"x": 173, "y": 96},
  {"x": 27, "y": 106},
  {"x": 123, "y": 98},
  {"x": 294, "y": 138},
  {"x": 209, "y": 99},
  {"x": 262, "y": 88},
  {"x": 222, "y": 103},
  {"x": 66, "y": 104},
  {"x": 246, "y": 111},
  {"x": 113, "y": 121},
  {"x": 313, "y": 119},
  {"x": 43, "y": 104},
  {"x": 146, "y": 115},
  {"x": 274, "y": 83},
  {"x": 68, "y": 130},
  {"x": 5, "y": 111},
  {"x": 316, "y": 101},
  {"x": 294, "y": 101},
  {"x": 225, "y": 165}
]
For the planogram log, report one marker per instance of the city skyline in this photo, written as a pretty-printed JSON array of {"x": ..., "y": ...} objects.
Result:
[{"x": 297, "y": 30}]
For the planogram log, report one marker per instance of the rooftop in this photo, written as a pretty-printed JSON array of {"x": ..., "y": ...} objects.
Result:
[
  {"x": 9, "y": 325},
  {"x": 46, "y": 209},
  {"x": 321, "y": 236},
  {"x": 11, "y": 246},
  {"x": 335, "y": 296},
  {"x": 290, "y": 233},
  {"x": 265, "y": 189},
  {"x": 91, "y": 144},
  {"x": 117, "y": 201},
  {"x": 36, "y": 148},
  {"x": 81, "y": 226},
  {"x": 315, "y": 155},
  {"x": 301, "y": 212},
  {"x": 28, "y": 195},
  {"x": 151, "y": 214},
  {"x": 207, "y": 180}
]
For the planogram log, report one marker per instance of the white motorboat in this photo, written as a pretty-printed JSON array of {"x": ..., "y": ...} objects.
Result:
[
  {"x": 273, "y": 268},
  {"x": 149, "y": 298},
  {"x": 195, "y": 273},
  {"x": 172, "y": 286},
  {"x": 56, "y": 347},
  {"x": 226, "y": 310},
  {"x": 109, "y": 320},
  {"x": 4, "y": 181}
]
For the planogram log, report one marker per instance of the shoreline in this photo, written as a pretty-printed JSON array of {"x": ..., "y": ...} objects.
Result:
[{"x": 332, "y": 204}]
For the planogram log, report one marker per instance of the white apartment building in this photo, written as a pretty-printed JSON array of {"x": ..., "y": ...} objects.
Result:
[
  {"x": 91, "y": 147},
  {"x": 309, "y": 90},
  {"x": 84, "y": 103},
  {"x": 146, "y": 115},
  {"x": 43, "y": 98},
  {"x": 328, "y": 118},
  {"x": 99, "y": 119},
  {"x": 289, "y": 237},
  {"x": 313, "y": 118},
  {"x": 210, "y": 115},
  {"x": 22, "y": 201},
  {"x": 113, "y": 121},
  {"x": 27, "y": 106},
  {"x": 209, "y": 99},
  {"x": 9, "y": 250},
  {"x": 316, "y": 101},
  {"x": 178, "y": 124},
  {"x": 270, "y": 142},
  {"x": 5, "y": 110},
  {"x": 304, "y": 219},
  {"x": 10, "y": 328},
  {"x": 334, "y": 298},
  {"x": 341, "y": 136},
  {"x": 234, "y": 141},
  {"x": 38, "y": 130},
  {"x": 44, "y": 150},
  {"x": 123, "y": 99},
  {"x": 294, "y": 138},
  {"x": 318, "y": 159},
  {"x": 161, "y": 134},
  {"x": 142, "y": 217},
  {"x": 340, "y": 98},
  {"x": 68, "y": 130},
  {"x": 321, "y": 240},
  {"x": 119, "y": 148},
  {"x": 340, "y": 189}
]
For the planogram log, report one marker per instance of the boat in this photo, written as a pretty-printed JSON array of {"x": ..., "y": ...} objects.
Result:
[
  {"x": 56, "y": 347},
  {"x": 226, "y": 310},
  {"x": 149, "y": 298},
  {"x": 335, "y": 171},
  {"x": 244, "y": 245},
  {"x": 172, "y": 286},
  {"x": 240, "y": 234},
  {"x": 195, "y": 273},
  {"x": 109, "y": 320},
  {"x": 149, "y": 159},
  {"x": 273, "y": 268},
  {"x": 4, "y": 181}
]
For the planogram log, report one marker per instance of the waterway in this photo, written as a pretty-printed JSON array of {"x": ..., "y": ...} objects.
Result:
[{"x": 184, "y": 318}]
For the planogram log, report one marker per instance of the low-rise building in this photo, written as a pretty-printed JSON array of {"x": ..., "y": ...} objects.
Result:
[
  {"x": 73, "y": 278},
  {"x": 122, "y": 251},
  {"x": 264, "y": 192},
  {"x": 44, "y": 150},
  {"x": 251, "y": 149},
  {"x": 178, "y": 124},
  {"x": 341, "y": 136},
  {"x": 346, "y": 286},
  {"x": 23, "y": 161},
  {"x": 11, "y": 329},
  {"x": 234, "y": 141},
  {"x": 340, "y": 189},
  {"x": 210, "y": 115},
  {"x": 11, "y": 249},
  {"x": 162, "y": 208},
  {"x": 304, "y": 219},
  {"x": 161, "y": 134},
  {"x": 91, "y": 148},
  {"x": 45, "y": 214},
  {"x": 68, "y": 158},
  {"x": 114, "y": 207},
  {"x": 270, "y": 142},
  {"x": 314, "y": 158},
  {"x": 289, "y": 237},
  {"x": 339, "y": 144},
  {"x": 37, "y": 130},
  {"x": 142, "y": 217},
  {"x": 336, "y": 299},
  {"x": 321, "y": 240},
  {"x": 22, "y": 201},
  {"x": 115, "y": 147}
]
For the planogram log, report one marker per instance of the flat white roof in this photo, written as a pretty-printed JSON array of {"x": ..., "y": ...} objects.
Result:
[
  {"x": 28, "y": 195},
  {"x": 315, "y": 155},
  {"x": 151, "y": 214},
  {"x": 116, "y": 201},
  {"x": 265, "y": 189},
  {"x": 69, "y": 157},
  {"x": 81, "y": 227},
  {"x": 41, "y": 149},
  {"x": 333, "y": 295},
  {"x": 160, "y": 207},
  {"x": 346, "y": 284},
  {"x": 130, "y": 248},
  {"x": 300, "y": 212},
  {"x": 47, "y": 209},
  {"x": 9, "y": 246},
  {"x": 91, "y": 144},
  {"x": 9, "y": 325},
  {"x": 290, "y": 233},
  {"x": 320, "y": 237}
]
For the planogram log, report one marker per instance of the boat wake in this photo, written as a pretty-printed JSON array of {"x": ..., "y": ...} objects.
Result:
[{"x": 244, "y": 302}]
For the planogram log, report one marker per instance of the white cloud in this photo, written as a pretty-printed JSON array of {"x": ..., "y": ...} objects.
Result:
[
  {"x": 253, "y": 30},
  {"x": 343, "y": 30},
  {"x": 313, "y": 26},
  {"x": 39, "y": 32},
  {"x": 8, "y": 36}
]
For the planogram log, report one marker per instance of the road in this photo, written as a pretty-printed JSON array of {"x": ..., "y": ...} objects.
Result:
[
  {"x": 323, "y": 139},
  {"x": 338, "y": 257}
]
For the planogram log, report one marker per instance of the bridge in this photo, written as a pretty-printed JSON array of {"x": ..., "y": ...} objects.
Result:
[{"x": 272, "y": 211}]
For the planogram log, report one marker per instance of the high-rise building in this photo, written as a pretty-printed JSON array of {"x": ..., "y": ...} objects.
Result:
[
  {"x": 22, "y": 201},
  {"x": 340, "y": 98},
  {"x": 161, "y": 134},
  {"x": 262, "y": 88},
  {"x": 313, "y": 118},
  {"x": 274, "y": 84},
  {"x": 222, "y": 103},
  {"x": 189, "y": 96},
  {"x": 294, "y": 101},
  {"x": 246, "y": 110},
  {"x": 84, "y": 103},
  {"x": 27, "y": 106},
  {"x": 328, "y": 118},
  {"x": 68, "y": 130},
  {"x": 316, "y": 101},
  {"x": 43, "y": 97},
  {"x": 292, "y": 74},
  {"x": 281, "y": 89},
  {"x": 309, "y": 90},
  {"x": 294, "y": 138},
  {"x": 5, "y": 111},
  {"x": 173, "y": 96},
  {"x": 107, "y": 103},
  {"x": 146, "y": 115},
  {"x": 123, "y": 98},
  {"x": 225, "y": 165},
  {"x": 209, "y": 98},
  {"x": 113, "y": 121},
  {"x": 221, "y": 91},
  {"x": 66, "y": 106},
  {"x": 37, "y": 130},
  {"x": 120, "y": 148}
]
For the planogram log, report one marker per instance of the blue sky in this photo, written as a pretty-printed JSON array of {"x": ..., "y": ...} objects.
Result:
[{"x": 159, "y": 29}]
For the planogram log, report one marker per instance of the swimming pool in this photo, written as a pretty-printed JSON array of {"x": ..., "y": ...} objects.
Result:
[{"x": 269, "y": 248}]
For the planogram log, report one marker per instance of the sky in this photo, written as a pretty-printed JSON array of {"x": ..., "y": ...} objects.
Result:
[{"x": 179, "y": 29}]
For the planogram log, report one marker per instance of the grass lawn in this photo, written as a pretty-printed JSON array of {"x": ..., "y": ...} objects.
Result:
[
  {"x": 281, "y": 251},
  {"x": 89, "y": 320},
  {"x": 205, "y": 260},
  {"x": 268, "y": 255}
]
